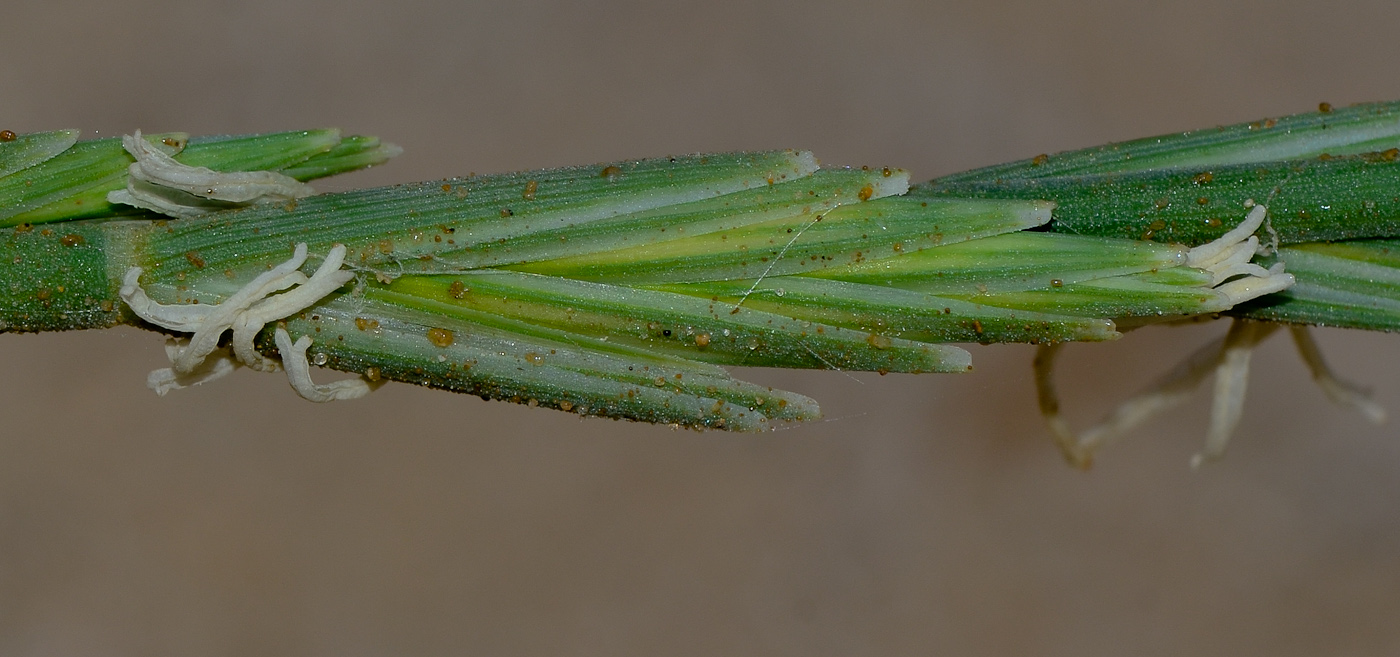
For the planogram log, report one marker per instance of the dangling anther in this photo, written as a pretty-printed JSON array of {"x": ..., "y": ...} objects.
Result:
[
  {"x": 208, "y": 322},
  {"x": 328, "y": 278},
  {"x": 159, "y": 183},
  {"x": 246, "y": 312},
  {"x": 299, "y": 373},
  {"x": 219, "y": 365},
  {"x": 1340, "y": 392},
  {"x": 1228, "y": 260},
  {"x": 1231, "y": 382}
]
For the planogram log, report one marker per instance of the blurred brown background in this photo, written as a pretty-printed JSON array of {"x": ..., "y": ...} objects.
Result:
[{"x": 927, "y": 515}]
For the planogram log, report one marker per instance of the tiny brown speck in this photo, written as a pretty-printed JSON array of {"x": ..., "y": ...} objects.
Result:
[
  {"x": 702, "y": 340},
  {"x": 194, "y": 259},
  {"x": 1203, "y": 178},
  {"x": 457, "y": 290},
  {"x": 1039, "y": 160},
  {"x": 8, "y": 135},
  {"x": 530, "y": 187},
  {"x": 1324, "y": 107},
  {"x": 611, "y": 172},
  {"x": 866, "y": 192},
  {"x": 71, "y": 240}
]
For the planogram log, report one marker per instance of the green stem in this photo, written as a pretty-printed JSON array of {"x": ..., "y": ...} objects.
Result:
[
  {"x": 66, "y": 276},
  {"x": 1309, "y": 200}
]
